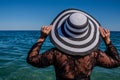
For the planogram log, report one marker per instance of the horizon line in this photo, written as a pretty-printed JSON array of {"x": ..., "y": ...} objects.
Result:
[{"x": 40, "y": 30}]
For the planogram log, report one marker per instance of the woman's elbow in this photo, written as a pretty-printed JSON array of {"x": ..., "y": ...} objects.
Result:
[
  {"x": 28, "y": 60},
  {"x": 33, "y": 62}
]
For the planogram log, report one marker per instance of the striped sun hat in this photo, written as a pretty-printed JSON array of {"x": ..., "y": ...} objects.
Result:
[{"x": 75, "y": 32}]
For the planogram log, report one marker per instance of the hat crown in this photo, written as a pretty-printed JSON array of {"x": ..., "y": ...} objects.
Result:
[
  {"x": 78, "y": 20},
  {"x": 75, "y": 32}
]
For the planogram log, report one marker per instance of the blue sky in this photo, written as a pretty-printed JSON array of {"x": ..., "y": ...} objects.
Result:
[{"x": 32, "y": 14}]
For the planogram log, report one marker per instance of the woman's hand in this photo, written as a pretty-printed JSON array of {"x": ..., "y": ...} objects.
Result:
[
  {"x": 105, "y": 34},
  {"x": 45, "y": 30}
]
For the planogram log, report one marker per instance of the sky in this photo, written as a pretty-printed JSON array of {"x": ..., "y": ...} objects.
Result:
[{"x": 32, "y": 14}]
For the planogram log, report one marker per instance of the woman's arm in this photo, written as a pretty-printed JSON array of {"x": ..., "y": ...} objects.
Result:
[
  {"x": 36, "y": 59},
  {"x": 110, "y": 57}
]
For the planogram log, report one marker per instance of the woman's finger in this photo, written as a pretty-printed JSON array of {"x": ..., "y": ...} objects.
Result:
[
  {"x": 102, "y": 32},
  {"x": 42, "y": 27},
  {"x": 108, "y": 31},
  {"x": 105, "y": 30}
]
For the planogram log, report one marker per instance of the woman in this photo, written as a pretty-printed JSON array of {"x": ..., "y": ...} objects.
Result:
[{"x": 70, "y": 66}]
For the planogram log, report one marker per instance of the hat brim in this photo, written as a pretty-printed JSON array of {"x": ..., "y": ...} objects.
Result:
[{"x": 79, "y": 45}]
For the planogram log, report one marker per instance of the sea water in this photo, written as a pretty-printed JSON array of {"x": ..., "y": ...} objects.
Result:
[{"x": 14, "y": 47}]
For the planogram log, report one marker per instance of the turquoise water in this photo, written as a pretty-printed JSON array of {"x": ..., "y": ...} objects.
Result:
[{"x": 14, "y": 46}]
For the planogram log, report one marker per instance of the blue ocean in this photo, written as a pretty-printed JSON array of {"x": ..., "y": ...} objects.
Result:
[{"x": 14, "y": 46}]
